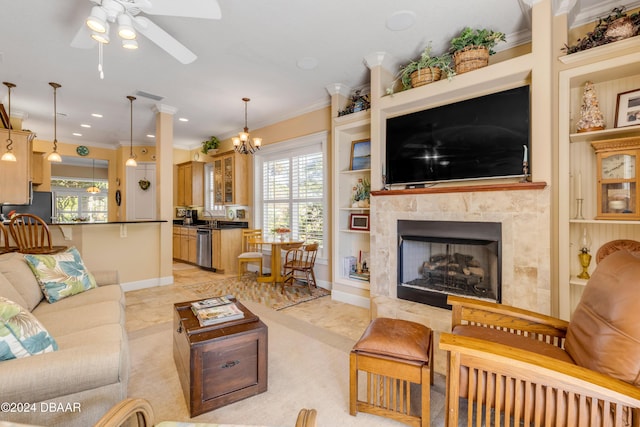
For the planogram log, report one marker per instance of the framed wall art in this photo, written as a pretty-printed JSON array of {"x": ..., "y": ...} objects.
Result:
[
  {"x": 360, "y": 155},
  {"x": 359, "y": 222},
  {"x": 628, "y": 108}
]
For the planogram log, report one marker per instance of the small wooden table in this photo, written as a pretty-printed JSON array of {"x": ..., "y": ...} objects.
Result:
[
  {"x": 219, "y": 364},
  {"x": 276, "y": 257}
]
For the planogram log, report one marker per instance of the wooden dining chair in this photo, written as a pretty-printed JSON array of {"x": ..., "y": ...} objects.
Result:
[
  {"x": 5, "y": 245},
  {"x": 32, "y": 235},
  {"x": 251, "y": 251},
  {"x": 298, "y": 265}
]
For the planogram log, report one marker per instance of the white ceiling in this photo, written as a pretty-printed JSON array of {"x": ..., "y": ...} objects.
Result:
[{"x": 251, "y": 51}]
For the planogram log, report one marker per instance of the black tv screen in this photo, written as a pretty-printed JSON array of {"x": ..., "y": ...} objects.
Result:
[{"x": 483, "y": 137}]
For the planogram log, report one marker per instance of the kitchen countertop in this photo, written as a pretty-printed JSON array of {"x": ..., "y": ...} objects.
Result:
[{"x": 108, "y": 222}]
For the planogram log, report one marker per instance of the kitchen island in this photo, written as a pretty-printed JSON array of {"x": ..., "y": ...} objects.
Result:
[{"x": 131, "y": 247}]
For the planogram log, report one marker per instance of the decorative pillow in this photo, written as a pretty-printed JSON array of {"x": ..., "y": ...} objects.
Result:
[
  {"x": 61, "y": 275},
  {"x": 21, "y": 334}
]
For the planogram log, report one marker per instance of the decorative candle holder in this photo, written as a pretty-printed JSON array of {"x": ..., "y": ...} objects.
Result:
[
  {"x": 585, "y": 260},
  {"x": 579, "y": 209}
]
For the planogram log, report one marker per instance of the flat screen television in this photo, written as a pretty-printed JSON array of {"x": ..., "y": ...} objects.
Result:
[{"x": 478, "y": 138}]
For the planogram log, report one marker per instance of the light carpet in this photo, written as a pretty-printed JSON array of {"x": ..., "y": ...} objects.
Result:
[
  {"x": 247, "y": 288},
  {"x": 308, "y": 367}
]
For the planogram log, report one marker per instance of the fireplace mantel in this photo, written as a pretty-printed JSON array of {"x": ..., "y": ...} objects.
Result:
[{"x": 513, "y": 186}]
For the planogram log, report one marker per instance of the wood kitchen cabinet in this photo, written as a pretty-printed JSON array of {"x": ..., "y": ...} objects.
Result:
[
  {"x": 15, "y": 176},
  {"x": 190, "y": 184},
  {"x": 226, "y": 246},
  {"x": 185, "y": 244},
  {"x": 229, "y": 179}
]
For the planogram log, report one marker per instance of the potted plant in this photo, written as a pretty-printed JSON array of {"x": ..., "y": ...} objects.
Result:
[
  {"x": 616, "y": 26},
  {"x": 426, "y": 69},
  {"x": 472, "y": 47},
  {"x": 210, "y": 146}
]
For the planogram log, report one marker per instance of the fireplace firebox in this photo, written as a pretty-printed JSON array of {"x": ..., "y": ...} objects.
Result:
[{"x": 439, "y": 258}]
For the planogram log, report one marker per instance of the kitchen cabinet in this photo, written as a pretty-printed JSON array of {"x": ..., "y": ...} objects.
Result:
[
  {"x": 190, "y": 184},
  {"x": 15, "y": 176},
  {"x": 37, "y": 176},
  {"x": 177, "y": 234},
  {"x": 229, "y": 179},
  {"x": 184, "y": 244},
  {"x": 226, "y": 246}
]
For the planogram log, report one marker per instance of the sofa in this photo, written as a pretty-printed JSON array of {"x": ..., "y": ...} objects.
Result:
[{"x": 86, "y": 371}]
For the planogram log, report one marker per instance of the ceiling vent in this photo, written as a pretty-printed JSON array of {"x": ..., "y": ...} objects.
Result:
[{"x": 149, "y": 95}]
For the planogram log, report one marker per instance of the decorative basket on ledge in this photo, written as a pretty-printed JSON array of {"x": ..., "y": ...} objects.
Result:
[
  {"x": 470, "y": 58},
  {"x": 424, "y": 76}
]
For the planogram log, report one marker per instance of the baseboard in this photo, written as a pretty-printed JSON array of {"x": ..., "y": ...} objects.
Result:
[
  {"x": 350, "y": 299},
  {"x": 147, "y": 283}
]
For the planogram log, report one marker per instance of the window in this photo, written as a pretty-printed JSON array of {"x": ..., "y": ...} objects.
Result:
[
  {"x": 290, "y": 188},
  {"x": 73, "y": 203}
]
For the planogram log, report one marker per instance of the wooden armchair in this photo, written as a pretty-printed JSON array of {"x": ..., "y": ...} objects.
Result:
[{"x": 516, "y": 367}]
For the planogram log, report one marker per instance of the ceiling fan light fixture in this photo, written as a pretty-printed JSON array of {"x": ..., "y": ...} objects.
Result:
[
  {"x": 97, "y": 20},
  {"x": 125, "y": 28},
  {"x": 8, "y": 156},
  {"x": 130, "y": 44},
  {"x": 100, "y": 38}
]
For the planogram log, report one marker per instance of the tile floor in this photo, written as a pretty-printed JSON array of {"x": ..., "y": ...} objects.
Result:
[{"x": 147, "y": 307}]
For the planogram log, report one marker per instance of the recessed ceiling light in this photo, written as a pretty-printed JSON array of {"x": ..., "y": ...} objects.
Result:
[
  {"x": 96, "y": 115},
  {"x": 401, "y": 20},
  {"x": 76, "y": 134},
  {"x": 150, "y": 135},
  {"x": 84, "y": 125},
  {"x": 307, "y": 63},
  {"x": 183, "y": 119}
]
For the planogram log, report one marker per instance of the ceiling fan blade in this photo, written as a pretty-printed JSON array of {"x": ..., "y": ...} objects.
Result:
[
  {"x": 83, "y": 39},
  {"x": 205, "y": 9},
  {"x": 165, "y": 41}
]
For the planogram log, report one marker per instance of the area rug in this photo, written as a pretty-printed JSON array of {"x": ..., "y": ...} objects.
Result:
[{"x": 247, "y": 288}]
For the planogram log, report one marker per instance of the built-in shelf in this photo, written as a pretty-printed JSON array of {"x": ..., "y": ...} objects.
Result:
[
  {"x": 348, "y": 171},
  {"x": 603, "y": 221},
  {"x": 607, "y": 49},
  {"x": 605, "y": 134},
  {"x": 354, "y": 209},
  {"x": 463, "y": 189},
  {"x": 578, "y": 282},
  {"x": 346, "y": 230}
]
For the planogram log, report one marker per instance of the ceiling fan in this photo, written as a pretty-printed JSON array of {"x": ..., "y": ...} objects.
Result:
[{"x": 126, "y": 14}]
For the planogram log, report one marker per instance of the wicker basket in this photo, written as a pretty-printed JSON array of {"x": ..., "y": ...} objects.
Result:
[
  {"x": 424, "y": 76},
  {"x": 470, "y": 58}
]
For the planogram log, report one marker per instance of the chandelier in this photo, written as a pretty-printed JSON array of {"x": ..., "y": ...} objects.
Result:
[
  {"x": 94, "y": 188},
  {"x": 8, "y": 156},
  {"x": 241, "y": 143}
]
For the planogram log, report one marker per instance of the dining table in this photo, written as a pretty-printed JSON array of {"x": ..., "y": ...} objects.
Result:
[{"x": 277, "y": 246}]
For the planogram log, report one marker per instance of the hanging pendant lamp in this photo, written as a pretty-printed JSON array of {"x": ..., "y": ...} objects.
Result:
[
  {"x": 94, "y": 188},
  {"x": 241, "y": 142},
  {"x": 8, "y": 156},
  {"x": 131, "y": 161},
  {"x": 54, "y": 156}
]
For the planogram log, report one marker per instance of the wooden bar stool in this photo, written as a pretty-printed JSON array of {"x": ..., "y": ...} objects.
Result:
[{"x": 394, "y": 354}]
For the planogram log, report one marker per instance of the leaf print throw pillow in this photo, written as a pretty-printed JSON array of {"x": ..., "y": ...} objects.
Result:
[
  {"x": 21, "y": 334},
  {"x": 61, "y": 275}
]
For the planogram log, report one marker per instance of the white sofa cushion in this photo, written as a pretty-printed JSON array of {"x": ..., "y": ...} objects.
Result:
[
  {"x": 17, "y": 272},
  {"x": 8, "y": 291}
]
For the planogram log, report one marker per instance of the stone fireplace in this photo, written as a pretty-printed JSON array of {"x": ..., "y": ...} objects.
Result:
[
  {"x": 440, "y": 258},
  {"x": 521, "y": 210}
]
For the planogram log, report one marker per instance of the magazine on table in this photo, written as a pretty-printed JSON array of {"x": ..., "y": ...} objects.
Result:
[
  {"x": 211, "y": 302},
  {"x": 213, "y": 315}
]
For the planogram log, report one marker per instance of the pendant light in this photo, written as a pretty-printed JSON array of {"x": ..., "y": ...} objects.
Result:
[
  {"x": 8, "y": 156},
  {"x": 94, "y": 188},
  {"x": 54, "y": 156},
  {"x": 241, "y": 142},
  {"x": 131, "y": 161}
]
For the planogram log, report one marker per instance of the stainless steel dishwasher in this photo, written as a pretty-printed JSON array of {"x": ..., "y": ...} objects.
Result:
[{"x": 203, "y": 247}]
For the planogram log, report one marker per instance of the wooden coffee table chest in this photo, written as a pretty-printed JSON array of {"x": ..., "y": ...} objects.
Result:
[{"x": 219, "y": 364}]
